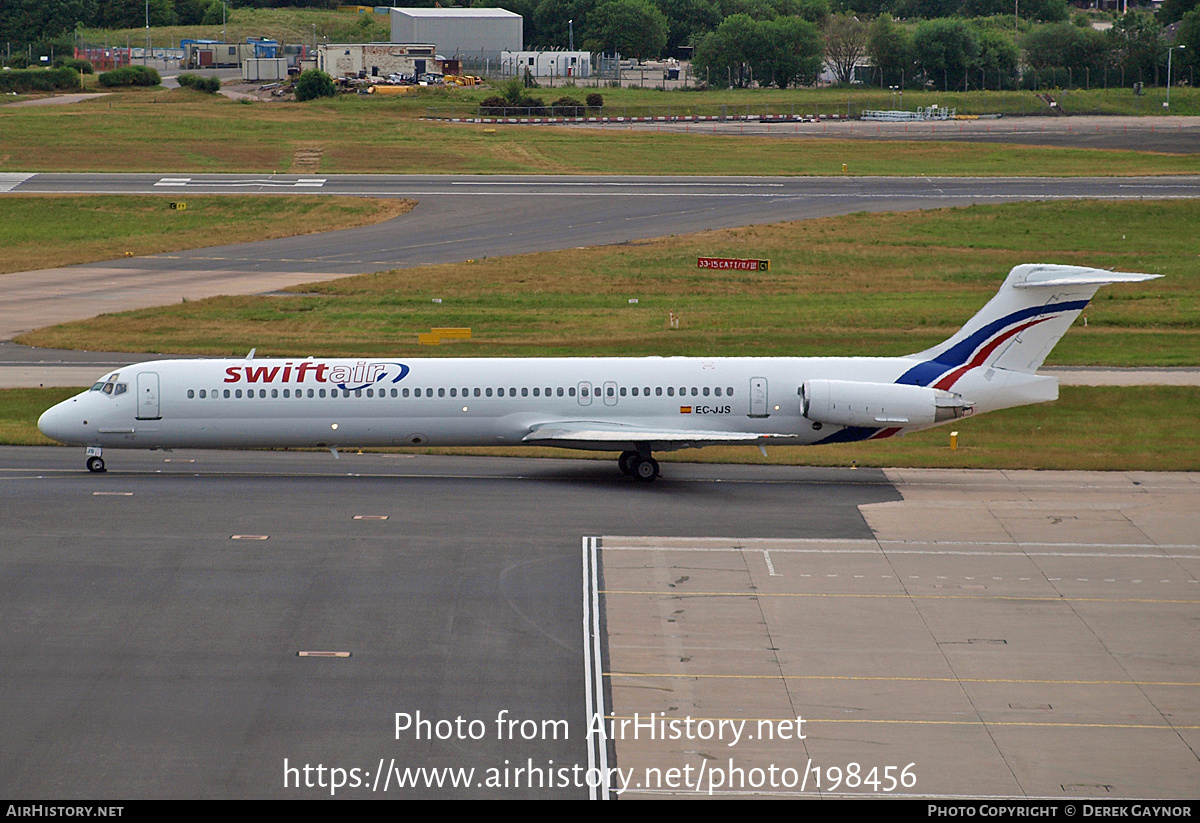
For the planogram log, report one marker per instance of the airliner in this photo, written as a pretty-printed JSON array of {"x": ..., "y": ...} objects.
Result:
[{"x": 634, "y": 405}]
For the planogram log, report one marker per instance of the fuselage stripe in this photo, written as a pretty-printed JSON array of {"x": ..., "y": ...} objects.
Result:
[
  {"x": 952, "y": 378},
  {"x": 930, "y": 371}
]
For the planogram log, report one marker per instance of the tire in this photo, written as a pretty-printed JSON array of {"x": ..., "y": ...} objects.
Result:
[
  {"x": 625, "y": 462},
  {"x": 646, "y": 469},
  {"x": 95, "y": 464}
]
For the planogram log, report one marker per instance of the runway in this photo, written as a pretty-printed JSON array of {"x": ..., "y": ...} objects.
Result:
[
  {"x": 464, "y": 217},
  {"x": 1003, "y": 632}
]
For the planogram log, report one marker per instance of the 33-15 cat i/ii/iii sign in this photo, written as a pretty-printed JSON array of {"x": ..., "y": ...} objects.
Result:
[{"x": 732, "y": 263}]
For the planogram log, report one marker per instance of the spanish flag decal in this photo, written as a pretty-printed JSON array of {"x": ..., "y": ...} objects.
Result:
[{"x": 685, "y": 409}]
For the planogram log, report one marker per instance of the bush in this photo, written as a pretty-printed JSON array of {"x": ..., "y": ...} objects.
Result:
[
  {"x": 493, "y": 106},
  {"x": 532, "y": 107},
  {"x": 26, "y": 80},
  {"x": 74, "y": 65},
  {"x": 313, "y": 83},
  {"x": 522, "y": 106},
  {"x": 595, "y": 100},
  {"x": 567, "y": 107},
  {"x": 195, "y": 81},
  {"x": 130, "y": 76}
]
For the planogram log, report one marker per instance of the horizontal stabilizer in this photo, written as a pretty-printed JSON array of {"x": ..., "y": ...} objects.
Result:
[{"x": 1041, "y": 276}]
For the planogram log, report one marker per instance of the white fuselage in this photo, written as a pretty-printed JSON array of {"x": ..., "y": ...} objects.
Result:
[{"x": 445, "y": 401}]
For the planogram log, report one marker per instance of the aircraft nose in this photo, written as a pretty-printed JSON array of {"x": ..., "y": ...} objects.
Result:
[{"x": 58, "y": 422}]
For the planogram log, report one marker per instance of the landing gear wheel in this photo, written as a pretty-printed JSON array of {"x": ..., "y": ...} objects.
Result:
[
  {"x": 95, "y": 464},
  {"x": 645, "y": 469},
  {"x": 625, "y": 462}
]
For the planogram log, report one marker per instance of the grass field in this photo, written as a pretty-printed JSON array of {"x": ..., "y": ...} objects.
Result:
[
  {"x": 287, "y": 25},
  {"x": 194, "y": 132},
  {"x": 47, "y": 231},
  {"x": 1088, "y": 428},
  {"x": 882, "y": 284}
]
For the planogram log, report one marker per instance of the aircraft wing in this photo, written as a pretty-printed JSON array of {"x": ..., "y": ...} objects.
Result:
[{"x": 587, "y": 434}]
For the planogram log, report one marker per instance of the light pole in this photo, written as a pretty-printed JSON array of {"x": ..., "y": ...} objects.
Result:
[
  {"x": 144, "y": 53},
  {"x": 1170, "y": 52},
  {"x": 571, "y": 34}
]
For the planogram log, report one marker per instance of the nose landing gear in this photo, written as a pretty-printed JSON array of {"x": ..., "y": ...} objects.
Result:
[
  {"x": 95, "y": 463},
  {"x": 634, "y": 464}
]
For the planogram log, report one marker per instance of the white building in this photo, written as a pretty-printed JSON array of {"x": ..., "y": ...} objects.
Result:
[
  {"x": 376, "y": 59},
  {"x": 459, "y": 33},
  {"x": 547, "y": 63}
]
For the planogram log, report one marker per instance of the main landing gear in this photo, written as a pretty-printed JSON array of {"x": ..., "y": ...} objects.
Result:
[
  {"x": 95, "y": 463},
  {"x": 643, "y": 467}
]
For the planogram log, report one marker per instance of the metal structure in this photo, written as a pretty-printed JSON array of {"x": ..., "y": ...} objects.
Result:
[{"x": 461, "y": 33}]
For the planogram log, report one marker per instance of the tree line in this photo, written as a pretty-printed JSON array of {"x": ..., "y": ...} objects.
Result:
[{"x": 947, "y": 44}]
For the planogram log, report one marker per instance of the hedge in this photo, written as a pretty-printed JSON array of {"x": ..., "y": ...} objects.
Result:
[
  {"x": 195, "y": 81},
  {"x": 27, "y": 80},
  {"x": 130, "y": 76}
]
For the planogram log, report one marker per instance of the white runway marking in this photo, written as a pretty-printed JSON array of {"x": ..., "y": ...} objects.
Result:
[
  {"x": 593, "y": 666},
  {"x": 304, "y": 182},
  {"x": 9, "y": 180}
]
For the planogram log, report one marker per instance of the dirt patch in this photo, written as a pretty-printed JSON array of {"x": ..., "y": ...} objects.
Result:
[{"x": 307, "y": 159}]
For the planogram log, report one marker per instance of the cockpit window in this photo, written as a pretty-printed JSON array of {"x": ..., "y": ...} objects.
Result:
[{"x": 110, "y": 386}]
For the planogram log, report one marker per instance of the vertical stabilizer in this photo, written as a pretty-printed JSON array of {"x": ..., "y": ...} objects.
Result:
[{"x": 1019, "y": 326}]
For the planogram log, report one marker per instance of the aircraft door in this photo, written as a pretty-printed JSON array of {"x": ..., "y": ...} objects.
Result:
[
  {"x": 610, "y": 393},
  {"x": 585, "y": 394},
  {"x": 758, "y": 397},
  {"x": 147, "y": 396}
]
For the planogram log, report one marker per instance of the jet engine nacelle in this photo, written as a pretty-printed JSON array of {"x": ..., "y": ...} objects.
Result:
[{"x": 851, "y": 403}]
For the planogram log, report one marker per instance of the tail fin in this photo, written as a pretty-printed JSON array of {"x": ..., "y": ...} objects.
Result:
[{"x": 1019, "y": 326}]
